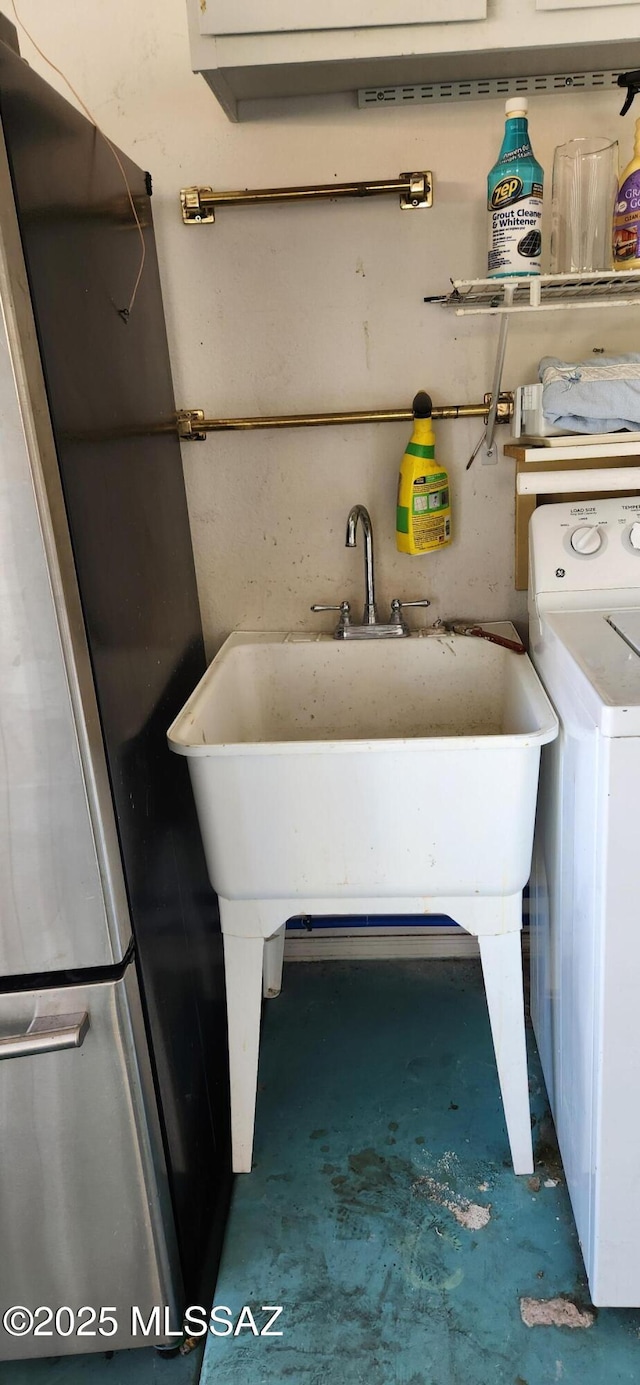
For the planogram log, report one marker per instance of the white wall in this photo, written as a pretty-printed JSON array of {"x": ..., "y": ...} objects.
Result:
[{"x": 300, "y": 308}]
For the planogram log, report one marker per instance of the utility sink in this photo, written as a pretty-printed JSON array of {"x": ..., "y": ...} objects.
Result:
[
  {"x": 341, "y": 777},
  {"x": 328, "y": 769}
]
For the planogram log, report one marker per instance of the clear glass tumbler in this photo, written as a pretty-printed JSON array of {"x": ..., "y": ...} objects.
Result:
[{"x": 585, "y": 183}]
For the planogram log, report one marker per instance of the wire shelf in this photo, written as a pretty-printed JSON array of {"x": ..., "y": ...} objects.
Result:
[{"x": 542, "y": 293}]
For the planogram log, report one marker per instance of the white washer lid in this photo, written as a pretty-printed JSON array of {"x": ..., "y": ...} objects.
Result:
[{"x": 604, "y": 647}]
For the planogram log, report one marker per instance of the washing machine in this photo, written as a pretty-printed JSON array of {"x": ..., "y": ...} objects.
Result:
[{"x": 584, "y": 609}]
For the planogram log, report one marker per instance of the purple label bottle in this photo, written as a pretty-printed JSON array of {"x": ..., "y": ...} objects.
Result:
[{"x": 626, "y": 217}]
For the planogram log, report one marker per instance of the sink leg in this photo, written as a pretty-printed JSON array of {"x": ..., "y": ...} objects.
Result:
[
  {"x": 501, "y": 955},
  {"x": 243, "y": 976},
  {"x": 273, "y": 961}
]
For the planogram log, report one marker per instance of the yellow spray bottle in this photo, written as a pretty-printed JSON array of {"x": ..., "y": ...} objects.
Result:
[{"x": 423, "y": 515}]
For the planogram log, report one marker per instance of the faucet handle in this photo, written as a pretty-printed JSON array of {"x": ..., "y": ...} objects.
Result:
[
  {"x": 396, "y": 608},
  {"x": 343, "y": 623},
  {"x": 344, "y": 607},
  {"x": 398, "y": 605}
]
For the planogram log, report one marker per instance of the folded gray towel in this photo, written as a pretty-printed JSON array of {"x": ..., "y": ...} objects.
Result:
[{"x": 595, "y": 396}]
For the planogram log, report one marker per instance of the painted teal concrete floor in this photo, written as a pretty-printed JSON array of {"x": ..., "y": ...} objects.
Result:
[
  {"x": 380, "y": 1151},
  {"x": 379, "y": 1135},
  {"x": 143, "y": 1367}
]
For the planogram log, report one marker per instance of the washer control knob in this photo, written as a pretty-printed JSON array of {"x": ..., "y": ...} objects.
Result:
[
  {"x": 634, "y": 535},
  {"x": 588, "y": 539}
]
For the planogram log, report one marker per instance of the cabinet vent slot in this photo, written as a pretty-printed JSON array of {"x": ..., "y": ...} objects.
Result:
[{"x": 484, "y": 89}]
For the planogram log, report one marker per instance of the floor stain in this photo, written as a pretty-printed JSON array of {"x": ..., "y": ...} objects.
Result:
[
  {"x": 546, "y": 1152},
  {"x": 472, "y": 1215}
]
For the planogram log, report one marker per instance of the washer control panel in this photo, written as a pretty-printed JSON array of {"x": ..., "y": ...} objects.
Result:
[{"x": 586, "y": 545}]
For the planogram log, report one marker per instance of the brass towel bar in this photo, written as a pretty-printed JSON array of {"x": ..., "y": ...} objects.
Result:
[
  {"x": 192, "y": 424},
  {"x": 198, "y": 203}
]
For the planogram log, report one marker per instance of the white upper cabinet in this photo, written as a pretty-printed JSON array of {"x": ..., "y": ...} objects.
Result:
[
  {"x": 291, "y": 16},
  {"x": 249, "y": 49}
]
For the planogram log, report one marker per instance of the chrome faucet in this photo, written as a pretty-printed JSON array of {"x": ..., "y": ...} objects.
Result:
[
  {"x": 371, "y": 627},
  {"x": 359, "y": 512}
]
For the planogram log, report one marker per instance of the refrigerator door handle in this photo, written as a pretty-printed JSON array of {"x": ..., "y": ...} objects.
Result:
[{"x": 46, "y": 1034}]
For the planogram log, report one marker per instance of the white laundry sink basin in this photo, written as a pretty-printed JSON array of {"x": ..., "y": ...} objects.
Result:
[
  {"x": 346, "y": 777},
  {"x": 328, "y": 769}
]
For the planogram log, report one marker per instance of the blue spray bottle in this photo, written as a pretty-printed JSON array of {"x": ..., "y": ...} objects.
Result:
[{"x": 515, "y": 200}]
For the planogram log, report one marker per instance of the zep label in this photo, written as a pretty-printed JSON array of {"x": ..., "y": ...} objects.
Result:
[{"x": 515, "y": 217}]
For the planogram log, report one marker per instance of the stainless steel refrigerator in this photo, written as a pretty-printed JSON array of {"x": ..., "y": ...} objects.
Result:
[{"x": 114, "y": 1166}]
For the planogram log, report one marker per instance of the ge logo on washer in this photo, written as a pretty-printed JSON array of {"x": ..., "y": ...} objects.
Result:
[{"x": 560, "y": 572}]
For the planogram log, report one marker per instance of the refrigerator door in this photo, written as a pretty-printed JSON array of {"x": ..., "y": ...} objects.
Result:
[
  {"x": 112, "y": 410},
  {"x": 63, "y": 902},
  {"x": 113, "y": 415},
  {"x": 85, "y": 1220}
]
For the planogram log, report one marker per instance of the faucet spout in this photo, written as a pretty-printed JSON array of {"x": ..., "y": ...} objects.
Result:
[{"x": 358, "y": 512}]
